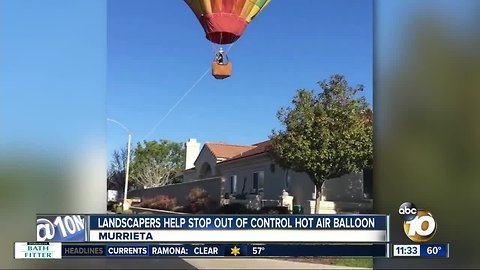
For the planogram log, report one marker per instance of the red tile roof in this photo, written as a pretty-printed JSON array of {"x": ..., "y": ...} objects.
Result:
[
  {"x": 255, "y": 149},
  {"x": 227, "y": 151}
]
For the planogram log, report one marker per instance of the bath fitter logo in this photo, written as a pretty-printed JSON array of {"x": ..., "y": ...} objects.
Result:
[{"x": 38, "y": 250}]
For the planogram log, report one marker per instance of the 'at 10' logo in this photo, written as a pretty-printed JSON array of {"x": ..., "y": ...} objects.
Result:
[
  {"x": 60, "y": 228},
  {"x": 419, "y": 225}
]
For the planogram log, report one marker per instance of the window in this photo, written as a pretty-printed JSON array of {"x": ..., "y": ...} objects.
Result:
[
  {"x": 233, "y": 184},
  {"x": 258, "y": 182}
]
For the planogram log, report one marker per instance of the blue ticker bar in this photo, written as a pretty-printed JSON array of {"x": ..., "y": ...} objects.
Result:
[{"x": 222, "y": 250}]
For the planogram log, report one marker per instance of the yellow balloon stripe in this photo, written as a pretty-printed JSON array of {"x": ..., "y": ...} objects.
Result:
[
  {"x": 253, "y": 12},
  {"x": 206, "y": 6},
  {"x": 249, "y": 4}
]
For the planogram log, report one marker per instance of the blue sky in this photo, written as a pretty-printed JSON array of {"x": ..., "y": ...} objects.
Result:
[
  {"x": 52, "y": 75},
  {"x": 157, "y": 50}
]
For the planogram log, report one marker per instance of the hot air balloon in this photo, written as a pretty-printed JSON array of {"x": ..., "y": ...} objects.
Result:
[{"x": 224, "y": 22}]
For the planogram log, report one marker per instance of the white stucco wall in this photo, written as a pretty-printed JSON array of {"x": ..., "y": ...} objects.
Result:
[
  {"x": 275, "y": 178},
  {"x": 244, "y": 169},
  {"x": 348, "y": 188},
  {"x": 205, "y": 157}
]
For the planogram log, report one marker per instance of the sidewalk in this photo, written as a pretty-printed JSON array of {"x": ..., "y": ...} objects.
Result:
[{"x": 254, "y": 263}]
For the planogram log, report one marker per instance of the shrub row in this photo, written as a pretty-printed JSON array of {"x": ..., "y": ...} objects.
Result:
[{"x": 198, "y": 201}]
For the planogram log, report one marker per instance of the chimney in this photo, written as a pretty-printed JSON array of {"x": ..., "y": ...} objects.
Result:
[{"x": 192, "y": 148}]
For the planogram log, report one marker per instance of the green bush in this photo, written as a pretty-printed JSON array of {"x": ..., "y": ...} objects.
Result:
[
  {"x": 111, "y": 206},
  {"x": 127, "y": 212}
]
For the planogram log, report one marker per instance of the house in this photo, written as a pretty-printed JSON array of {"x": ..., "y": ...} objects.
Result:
[{"x": 249, "y": 169}]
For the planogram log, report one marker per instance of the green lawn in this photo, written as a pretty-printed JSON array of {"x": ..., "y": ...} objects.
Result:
[
  {"x": 354, "y": 262},
  {"x": 360, "y": 262}
]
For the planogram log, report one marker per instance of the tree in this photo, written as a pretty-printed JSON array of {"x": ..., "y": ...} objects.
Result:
[
  {"x": 156, "y": 163},
  {"x": 116, "y": 171},
  {"x": 325, "y": 135}
]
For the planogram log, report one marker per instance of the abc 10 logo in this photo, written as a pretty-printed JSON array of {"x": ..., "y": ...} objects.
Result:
[{"x": 418, "y": 225}]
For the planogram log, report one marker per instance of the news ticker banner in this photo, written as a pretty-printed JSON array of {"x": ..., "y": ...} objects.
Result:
[
  {"x": 202, "y": 229},
  {"x": 239, "y": 228},
  {"x": 57, "y": 250},
  {"x": 45, "y": 250}
]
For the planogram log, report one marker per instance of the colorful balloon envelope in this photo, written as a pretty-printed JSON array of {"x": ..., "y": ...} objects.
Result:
[{"x": 224, "y": 21}]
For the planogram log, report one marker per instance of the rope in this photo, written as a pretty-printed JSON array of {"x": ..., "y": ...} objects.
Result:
[
  {"x": 230, "y": 47},
  {"x": 214, "y": 49},
  {"x": 214, "y": 46},
  {"x": 176, "y": 104},
  {"x": 181, "y": 99}
]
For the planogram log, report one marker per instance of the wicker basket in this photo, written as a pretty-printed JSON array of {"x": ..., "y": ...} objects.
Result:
[{"x": 221, "y": 71}]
